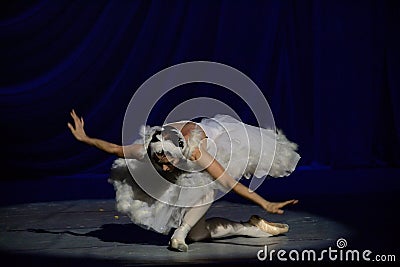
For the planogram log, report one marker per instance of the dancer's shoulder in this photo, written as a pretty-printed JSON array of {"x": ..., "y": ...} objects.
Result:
[{"x": 191, "y": 127}]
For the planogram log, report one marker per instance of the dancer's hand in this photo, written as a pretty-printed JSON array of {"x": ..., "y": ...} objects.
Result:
[
  {"x": 78, "y": 130},
  {"x": 276, "y": 207}
]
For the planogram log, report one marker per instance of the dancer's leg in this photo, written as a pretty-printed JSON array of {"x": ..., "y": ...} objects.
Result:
[
  {"x": 255, "y": 227},
  {"x": 200, "y": 231},
  {"x": 197, "y": 228},
  {"x": 221, "y": 227},
  {"x": 189, "y": 220}
]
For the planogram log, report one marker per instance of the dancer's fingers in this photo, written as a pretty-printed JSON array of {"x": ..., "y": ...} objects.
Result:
[
  {"x": 76, "y": 119},
  {"x": 70, "y": 127},
  {"x": 74, "y": 114},
  {"x": 288, "y": 202},
  {"x": 293, "y": 201}
]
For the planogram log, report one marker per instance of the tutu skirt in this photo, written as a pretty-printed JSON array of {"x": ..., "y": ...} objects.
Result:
[{"x": 243, "y": 150}]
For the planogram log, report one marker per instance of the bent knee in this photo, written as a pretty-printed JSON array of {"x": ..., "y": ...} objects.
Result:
[{"x": 196, "y": 236}]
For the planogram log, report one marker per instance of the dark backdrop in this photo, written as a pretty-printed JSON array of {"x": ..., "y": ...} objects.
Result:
[{"x": 329, "y": 69}]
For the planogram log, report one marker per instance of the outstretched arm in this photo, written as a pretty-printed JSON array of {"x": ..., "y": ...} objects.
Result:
[
  {"x": 204, "y": 159},
  {"x": 135, "y": 151}
]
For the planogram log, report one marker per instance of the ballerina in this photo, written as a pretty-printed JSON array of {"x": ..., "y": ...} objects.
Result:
[{"x": 197, "y": 161}]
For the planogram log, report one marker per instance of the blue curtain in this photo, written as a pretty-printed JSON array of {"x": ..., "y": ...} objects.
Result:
[{"x": 329, "y": 70}]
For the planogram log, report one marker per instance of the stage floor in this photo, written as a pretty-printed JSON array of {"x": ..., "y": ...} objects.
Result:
[
  {"x": 72, "y": 221},
  {"x": 93, "y": 233}
]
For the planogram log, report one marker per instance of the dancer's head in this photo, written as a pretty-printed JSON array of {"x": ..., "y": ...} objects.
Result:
[{"x": 165, "y": 148}]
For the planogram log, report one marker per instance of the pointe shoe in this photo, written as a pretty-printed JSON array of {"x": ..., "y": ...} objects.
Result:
[
  {"x": 268, "y": 227},
  {"x": 178, "y": 245}
]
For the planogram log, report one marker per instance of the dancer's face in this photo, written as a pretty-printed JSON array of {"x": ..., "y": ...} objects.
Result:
[{"x": 166, "y": 162}]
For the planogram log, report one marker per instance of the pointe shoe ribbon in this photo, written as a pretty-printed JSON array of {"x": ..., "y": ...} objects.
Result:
[{"x": 268, "y": 227}]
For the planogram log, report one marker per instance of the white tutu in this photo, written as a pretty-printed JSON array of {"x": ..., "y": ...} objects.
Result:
[
  {"x": 246, "y": 150},
  {"x": 243, "y": 150}
]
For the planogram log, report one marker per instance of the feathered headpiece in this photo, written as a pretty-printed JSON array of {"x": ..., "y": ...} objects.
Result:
[
  {"x": 164, "y": 139},
  {"x": 169, "y": 140}
]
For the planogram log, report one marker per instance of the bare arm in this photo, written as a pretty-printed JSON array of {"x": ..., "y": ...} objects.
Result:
[
  {"x": 204, "y": 159},
  {"x": 135, "y": 151}
]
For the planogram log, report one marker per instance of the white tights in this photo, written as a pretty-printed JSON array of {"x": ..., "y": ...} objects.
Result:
[{"x": 195, "y": 227}]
